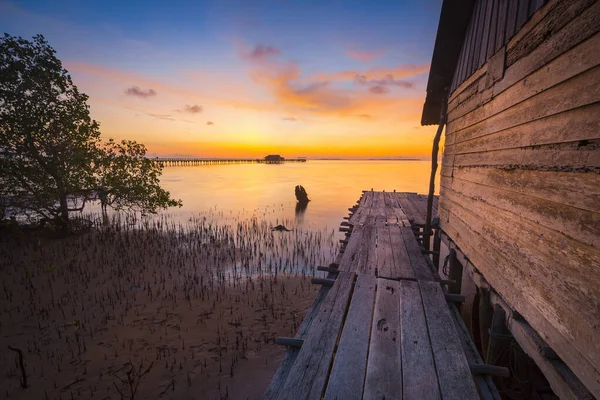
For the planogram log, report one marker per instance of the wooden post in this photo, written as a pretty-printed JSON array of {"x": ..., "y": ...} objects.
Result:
[
  {"x": 434, "y": 166},
  {"x": 486, "y": 369},
  {"x": 437, "y": 242},
  {"x": 456, "y": 270},
  {"x": 322, "y": 281},
  {"x": 500, "y": 336},
  {"x": 290, "y": 342},
  {"x": 24, "y": 384},
  {"x": 485, "y": 318}
]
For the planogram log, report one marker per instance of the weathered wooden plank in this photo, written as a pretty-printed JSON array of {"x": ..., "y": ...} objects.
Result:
[
  {"x": 404, "y": 268},
  {"x": 535, "y": 248},
  {"x": 578, "y": 156},
  {"x": 563, "y": 13},
  {"x": 493, "y": 26},
  {"x": 384, "y": 366},
  {"x": 347, "y": 376},
  {"x": 485, "y": 35},
  {"x": 485, "y": 386},
  {"x": 569, "y": 64},
  {"x": 349, "y": 259},
  {"x": 560, "y": 378},
  {"x": 564, "y": 294},
  {"x": 516, "y": 288},
  {"x": 292, "y": 354},
  {"x": 580, "y": 190},
  {"x": 384, "y": 259},
  {"x": 480, "y": 38},
  {"x": 474, "y": 53},
  {"x": 307, "y": 377},
  {"x": 578, "y": 224},
  {"x": 579, "y": 91},
  {"x": 454, "y": 375},
  {"x": 578, "y": 30},
  {"x": 419, "y": 377},
  {"x": 471, "y": 43},
  {"x": 397, "y": 210},
  {"x": 522, "y": 13},
  {"x": 501, "y": 27},
  {"x": 367, "y": 261},
  {"x": 378, "y": 207},
  {"x": 363, "y": 210},
  {"x": 511, "y": 19},
  {"x": 417, "y": 260},
  {"x": 582, "y": 123}
]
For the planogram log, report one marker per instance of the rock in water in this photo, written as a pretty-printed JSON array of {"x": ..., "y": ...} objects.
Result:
[
  {"x": 301, "y": 194},
  {"x": 281, "y": 228}
]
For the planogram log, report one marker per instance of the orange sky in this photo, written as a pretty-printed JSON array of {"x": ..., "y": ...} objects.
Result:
[{"x": 244, "y": 79}]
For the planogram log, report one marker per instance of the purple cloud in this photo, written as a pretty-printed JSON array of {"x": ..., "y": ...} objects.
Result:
[{"x": 138, "y": 92}]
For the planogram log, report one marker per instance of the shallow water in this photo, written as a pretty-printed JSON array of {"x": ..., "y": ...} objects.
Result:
[{"x": 227, "y": 192}]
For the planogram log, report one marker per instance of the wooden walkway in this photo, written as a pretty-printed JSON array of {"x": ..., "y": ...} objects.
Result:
[{"x": 384, "y": 328}]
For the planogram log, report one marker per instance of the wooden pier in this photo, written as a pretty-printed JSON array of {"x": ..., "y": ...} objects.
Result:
[
  {"x": 171, "y": 162},
  {"x": 383, "y": 326}
]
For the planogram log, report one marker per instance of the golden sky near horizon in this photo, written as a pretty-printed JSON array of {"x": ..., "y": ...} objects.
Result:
[{"x": 235, "y": 79}]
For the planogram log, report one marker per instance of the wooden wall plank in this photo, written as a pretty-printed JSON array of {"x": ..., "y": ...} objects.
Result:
[
  {"x": 454, "y": 375},
  {"x": 511, "y": 19},
  {"x": 580, "y": 225},
  {"x": 491, "y": 44},
  {"x": 579, "y": 156},
  {"x": 581, "y": 123},
  {"x": 579, "y": 91},
  {"x": 579, "y": 190},
  {"x": 563, "y": 13},
  {"x": 501, "y": 26},
  {"x": 307, "y": 377},
  {"x": 522, "y": 13},
  {"x": 578, "y": 30},
  {"x": 485, "y": 33},
  {"x": 572, "y": 63},
  {"x": 473, "y": 40},
  {"x": 347, "y": 377},
  {"x": 479, "y": 35},
  {"x": 567, "y": 295},
  {"x": 419, "y": 377},
  {"x": 516, "y": 288},
  {"x": 384, "y": 367}
]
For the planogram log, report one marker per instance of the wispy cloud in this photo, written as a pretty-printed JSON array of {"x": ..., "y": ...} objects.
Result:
[
  {"x": 260, "y": 52},
  {"x": 328, "y": 94},
  {"x": 138, "y": 92},
  {"x": 291, "y": 119},
  {"x": 194, "y": 109},
  {"x": 210, "y": 123},
  {"x": 365, "y": 56},
  {"x": 166, "y": 117},
  {"x": 401, "y": 71}
]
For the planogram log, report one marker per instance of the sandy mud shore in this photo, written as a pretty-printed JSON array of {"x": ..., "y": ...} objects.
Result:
[{"x": 164, "y": 311}]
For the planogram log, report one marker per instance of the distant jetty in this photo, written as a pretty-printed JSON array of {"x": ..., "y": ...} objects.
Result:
[{"x": 270, "y": 159}]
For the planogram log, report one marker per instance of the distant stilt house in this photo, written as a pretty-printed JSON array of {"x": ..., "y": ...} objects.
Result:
[
  {"x": 517, "y": 83},
  {"x": 274, "y": 159}
]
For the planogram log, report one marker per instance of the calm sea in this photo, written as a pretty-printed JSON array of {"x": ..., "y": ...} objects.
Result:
[{"x": 267, "y": 191}]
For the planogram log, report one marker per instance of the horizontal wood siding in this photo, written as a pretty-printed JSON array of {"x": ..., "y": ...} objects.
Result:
[{"x": 520, "y": 176}]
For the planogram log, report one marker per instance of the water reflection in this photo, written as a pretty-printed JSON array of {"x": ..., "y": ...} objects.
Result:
[
  {"x": 300, "y": 209},
  {"x": 267, "y": 191}
]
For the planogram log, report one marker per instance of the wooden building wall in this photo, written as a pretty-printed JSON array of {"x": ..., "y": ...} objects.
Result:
[{"x": 520, "y": 186}]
